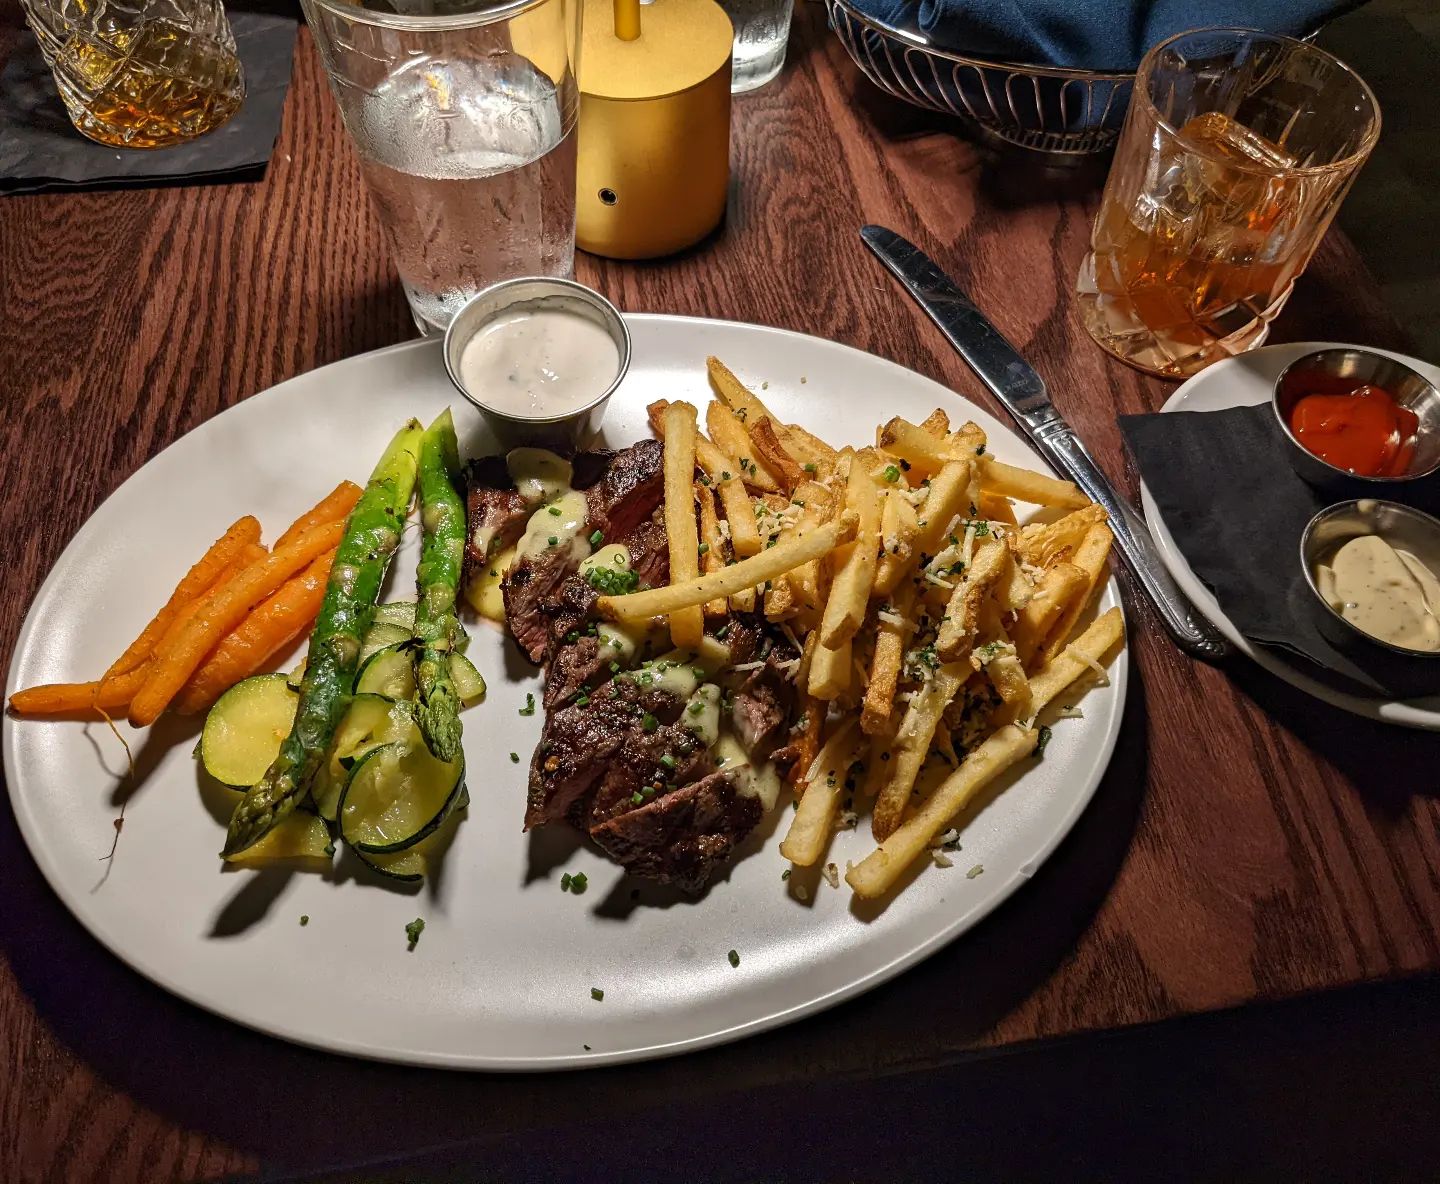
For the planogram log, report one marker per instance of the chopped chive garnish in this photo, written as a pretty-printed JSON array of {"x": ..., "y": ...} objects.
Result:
[
  {"x": 578, "y": 883},
  {"x": 668, "y": 761},
  {"x": 304, "y": 918},
  {"x": 555, "y": 510},
  {"x": 809, "y": 468},
  {"x": 529, "y": 708},
  {"x": 595, "y": 538},
  {"x": 554, "y": 541},
  {"x": 649, "y": 722},
  {"x": 597, "y": 994},
  {"x": 514, "y": 758},
  {"x": 704, "y": 548},
  {"x": 565, "y": 882},
  {"x": 413, "y": 932},
  {"x": 734, "y": 958},
  {"x": 696, "y": 708},
  {"x": 637, "y": 797},
  {"x": 891, "y": 473}
]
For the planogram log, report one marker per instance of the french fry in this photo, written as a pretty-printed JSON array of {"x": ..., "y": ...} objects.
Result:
[
  {"x": 787, "y": 469},
  {"x": 877, "y": 873},
  {"x": 1040, "y": 543},
  {"x": 806, "y": 581},
  {"x": 732, "y": 439},
  {"x": 1026, "y": 485},
  {"x": 937, "y": 423},
  {"x": 816, "y": 456},
  {"x": 712, "y": 545},
  {"x": 724, "y": 477},
  {"x": 747, "y": 573},
  {"x": 879, "y": 870},
  {"x": 949, "y": 498},
  {"x": 738, "y": 397},
  {"x": 912, "y": 744},
  {"x": 1007, "y": 676},
  {"x": 878, "y": 708},
  {"x": 830, "y": 671},
  {"x": 1060, "y": 584},
  {"x": 255, "y": 643},
  {"x": 743, "y": 601},
  {"x": 996, "y": 508},
  {"x": 814, "y": 817},
  {"x": 173, "y": 665},
  {"x": 987, "y": 568},
  {"x": 1090, "y": 558},
  {"x": 898, "y": 528},
  {"x": 850, "y": 588},
  {"x": 687, "y": 624},
  {"x": 924, "y": 453},
  {"x": 968, "y": 440},
  {"x": 1104, "y": 633},
  {"x": 334, "y": 506},
  {"x": 807, "y": 742}
]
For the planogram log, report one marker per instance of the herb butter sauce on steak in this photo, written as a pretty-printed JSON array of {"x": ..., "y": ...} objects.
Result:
[{"x": 663, "y": 757}]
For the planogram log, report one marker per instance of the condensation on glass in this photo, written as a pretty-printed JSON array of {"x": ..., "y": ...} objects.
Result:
[{"x": 463, "y": 116}]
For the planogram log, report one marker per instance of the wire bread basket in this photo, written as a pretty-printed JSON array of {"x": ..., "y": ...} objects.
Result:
[{"x": 1047, "y": 109}]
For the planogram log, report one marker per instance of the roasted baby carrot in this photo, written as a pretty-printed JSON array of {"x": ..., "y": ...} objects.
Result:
[{"x": 334, "y": 506}]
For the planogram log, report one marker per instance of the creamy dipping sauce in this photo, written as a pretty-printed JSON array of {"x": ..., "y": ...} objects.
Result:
[
  {"x": 1384, "y": 591},
  {"x": 538, "y": 362}
]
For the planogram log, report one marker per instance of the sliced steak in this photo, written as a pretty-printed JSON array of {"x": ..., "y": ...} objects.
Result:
[
  {"x": 495, "y": 513},
  {"x": 683, "y": 837},
  {"x": 760, "y": 712},
  {"x": 578, "y": 743},
  {"x": 622, "y": 490},
  {"x": 639, "y": 768},
  {"x": 576, "y": 659}
]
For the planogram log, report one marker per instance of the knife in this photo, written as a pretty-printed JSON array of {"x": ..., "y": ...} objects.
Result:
[{"x": 1015, "y": 383}]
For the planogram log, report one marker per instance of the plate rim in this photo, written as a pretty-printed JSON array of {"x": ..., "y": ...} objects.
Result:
[
  {"x": 1405, "y": 713},
  {"x": 1118, "y": 685}
]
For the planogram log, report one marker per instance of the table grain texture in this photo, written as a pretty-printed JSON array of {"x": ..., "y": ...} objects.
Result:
[{"x": 1247, "y": 843}]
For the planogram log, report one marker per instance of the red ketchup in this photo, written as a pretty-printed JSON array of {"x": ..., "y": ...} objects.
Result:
[{"x": 1361, "y": 429}]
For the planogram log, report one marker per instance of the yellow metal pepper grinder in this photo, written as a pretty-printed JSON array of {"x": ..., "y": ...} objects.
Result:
[{"x": 654, "y": 130}]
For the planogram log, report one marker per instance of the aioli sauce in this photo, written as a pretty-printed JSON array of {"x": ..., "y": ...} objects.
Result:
[
  {"x": 1383, "y": 591},
  {"x": 1362, "y": 430},
  {"x": 539, "y": 362}
]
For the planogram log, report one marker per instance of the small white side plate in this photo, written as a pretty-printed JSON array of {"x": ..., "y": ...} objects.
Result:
[{"x": 1246, "y": 381}]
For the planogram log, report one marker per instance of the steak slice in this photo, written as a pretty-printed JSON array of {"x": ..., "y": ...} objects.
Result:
[
  {"x": 495, "y": 513},
  {"x": 578, "y": 744},
  {"x": 622, "y": 490},
  {"x": 637, "y": 768},
  {"x": 761, "y": 710},
  {"x": 684, "y": 837},
  {"x": 577, "y": 659}
]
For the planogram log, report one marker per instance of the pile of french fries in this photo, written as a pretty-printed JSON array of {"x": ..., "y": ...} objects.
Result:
[{"x": 934, "y": 627}]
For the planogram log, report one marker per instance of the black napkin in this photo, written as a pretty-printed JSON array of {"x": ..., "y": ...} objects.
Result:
[
  {"x": 1236, "y": 511},
  {"x": 40, "y": 149}
]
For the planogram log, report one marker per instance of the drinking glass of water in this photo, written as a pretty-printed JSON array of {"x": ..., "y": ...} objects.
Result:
[
  {"x": 463, "y": 115},
  {"x": 762, "y": 27}
]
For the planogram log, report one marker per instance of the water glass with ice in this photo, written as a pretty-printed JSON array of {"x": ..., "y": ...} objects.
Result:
[
  {"x": 762, "y": 28},
  {"x": 463, "y": 116}
]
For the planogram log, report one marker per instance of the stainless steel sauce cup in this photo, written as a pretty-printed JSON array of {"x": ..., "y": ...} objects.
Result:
[
  {"x": 1407, "y": 671},
  {"x": 568, "y": 430},
  {"x": 1358, "y": 366}
]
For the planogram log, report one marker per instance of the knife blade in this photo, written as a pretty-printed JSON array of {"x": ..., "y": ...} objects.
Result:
[{"x": 1012, "y": 380}]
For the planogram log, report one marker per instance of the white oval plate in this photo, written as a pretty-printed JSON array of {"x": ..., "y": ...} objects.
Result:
[
  {"x": 502, "y": 977},
  {"x": 1246, "y": 381}
]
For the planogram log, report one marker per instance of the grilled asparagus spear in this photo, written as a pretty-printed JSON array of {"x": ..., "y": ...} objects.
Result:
[
  {"x": 372, "y": 533},
  {"x": 437, "y": 628}
]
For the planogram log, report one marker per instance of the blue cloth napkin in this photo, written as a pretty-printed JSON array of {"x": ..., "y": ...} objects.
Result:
[{"x": 1088, "y": 34}]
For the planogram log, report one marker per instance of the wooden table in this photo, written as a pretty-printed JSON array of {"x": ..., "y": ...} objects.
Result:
[{"x": 1247, "y": 843}]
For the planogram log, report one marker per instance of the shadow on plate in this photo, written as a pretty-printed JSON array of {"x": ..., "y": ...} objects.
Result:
[{"x": 167, "y": 1055}]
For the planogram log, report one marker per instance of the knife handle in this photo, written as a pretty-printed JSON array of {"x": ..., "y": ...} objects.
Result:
[{"x": 1191, "y": 632}]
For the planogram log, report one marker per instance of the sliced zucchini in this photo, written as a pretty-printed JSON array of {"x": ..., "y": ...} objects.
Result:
[
  {"x": 397, "y": 612},
  {"x": 389, "y": 672},
  {"x": 381, "y": 636},
  {"x": 245, "y": 728},
  {"x": 397, "y": 794},
  {"x": 300, "y": 838},
  {"x": 297, "y": 675},
  {"x": 414, "y": 863},
  {"x": 469, "y": 683},
  {"x": 370, "y": 720}
]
